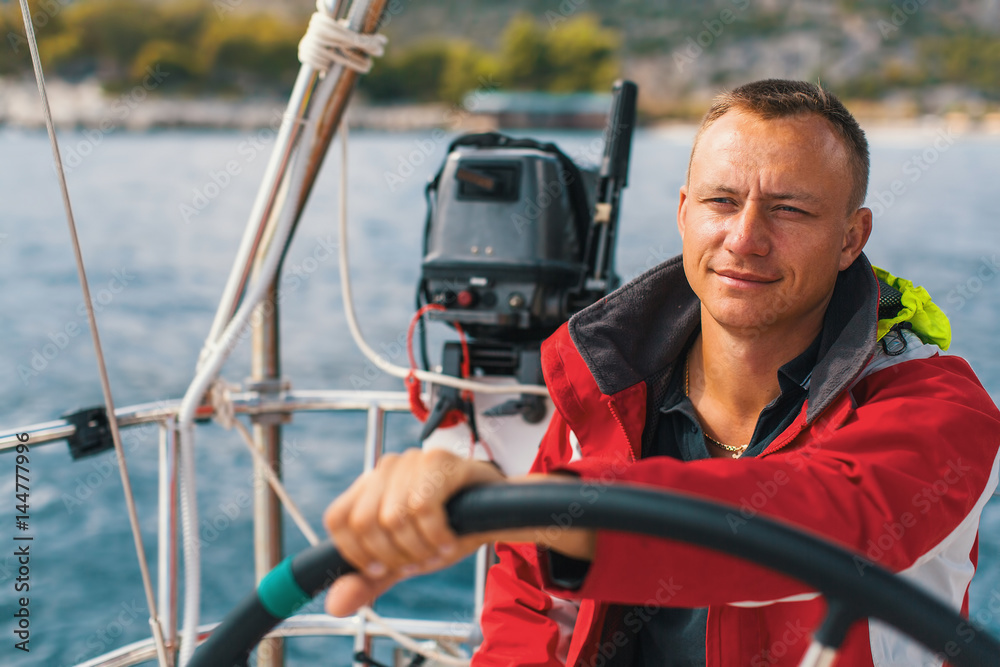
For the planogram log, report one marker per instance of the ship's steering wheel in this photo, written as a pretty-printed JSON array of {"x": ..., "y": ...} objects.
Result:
[{"x": 854, "y": 587}]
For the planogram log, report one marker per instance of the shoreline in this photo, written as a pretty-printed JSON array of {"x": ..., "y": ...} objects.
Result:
[{"x": 86, "y": 107}]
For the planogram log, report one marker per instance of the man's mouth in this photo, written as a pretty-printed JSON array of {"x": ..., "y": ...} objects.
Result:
[{"x": 744, "y": 278}]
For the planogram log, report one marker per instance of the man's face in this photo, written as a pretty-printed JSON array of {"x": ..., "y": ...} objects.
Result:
[{"x": 764, "y": 221}]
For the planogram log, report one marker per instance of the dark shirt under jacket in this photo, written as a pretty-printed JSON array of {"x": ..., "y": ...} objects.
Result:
[{"x": 675, "y": 637}]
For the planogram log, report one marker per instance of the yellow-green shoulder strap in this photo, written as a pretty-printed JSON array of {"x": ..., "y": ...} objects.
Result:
[{"x": 927, "y": 321}]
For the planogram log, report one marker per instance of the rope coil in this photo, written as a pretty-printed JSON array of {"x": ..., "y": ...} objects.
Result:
[{"x": 328, "y": 42}]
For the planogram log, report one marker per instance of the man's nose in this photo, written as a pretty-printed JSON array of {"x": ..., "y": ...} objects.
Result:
[{"x": 749, "y": 231}]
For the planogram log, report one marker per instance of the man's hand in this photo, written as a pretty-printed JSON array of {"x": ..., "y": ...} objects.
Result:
[{"x": 391, "y": 523}]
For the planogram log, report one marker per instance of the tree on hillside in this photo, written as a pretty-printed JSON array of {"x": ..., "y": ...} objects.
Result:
[{"x": 575, "y": 55}]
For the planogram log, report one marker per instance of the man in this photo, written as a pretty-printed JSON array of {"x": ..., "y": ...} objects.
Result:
[{"x": 761, "y": 364}]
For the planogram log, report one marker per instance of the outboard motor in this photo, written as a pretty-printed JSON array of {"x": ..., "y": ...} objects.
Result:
[
  {"x": 518, "y": 238},
  {"x": 504, "y": 244}
]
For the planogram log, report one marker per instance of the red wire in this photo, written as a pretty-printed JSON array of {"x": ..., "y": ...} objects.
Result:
[{"x": 417, "y": 406}]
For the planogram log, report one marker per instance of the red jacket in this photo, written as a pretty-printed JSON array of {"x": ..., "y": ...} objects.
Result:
[{"x": 891, "y": 456}]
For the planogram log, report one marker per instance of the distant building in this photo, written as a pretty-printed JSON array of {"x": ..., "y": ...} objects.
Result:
[{"x": 537, "y": 110}]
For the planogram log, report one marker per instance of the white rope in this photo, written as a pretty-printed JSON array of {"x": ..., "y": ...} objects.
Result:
[
  {"x": 381, "y": 362},
  {"x": 225, "y": 413},
  {"x": 210, "y": 366},
  {"x": 410, "y": 643},
  {"x": 328, "y": 42},
  {"x": 277, "y": 486},
  {"x": 188, "y": 496},
  {"x": 220, "y": 396},
  {"x": 203, "y": 379},
  {"x": 102, "y": 369}
]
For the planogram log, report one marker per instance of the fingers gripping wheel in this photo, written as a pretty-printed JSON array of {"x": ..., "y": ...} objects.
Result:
[{"x": 854, "y": 592}]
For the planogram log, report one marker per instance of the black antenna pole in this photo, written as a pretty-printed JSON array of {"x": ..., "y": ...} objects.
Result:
[{"x": 613, "y": 178}]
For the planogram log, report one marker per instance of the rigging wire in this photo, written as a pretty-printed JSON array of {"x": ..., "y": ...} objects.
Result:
[
  {"x": 409, "y": 643},
  {"x": 102, "y": 370},
  {"x": 225, "y": 415}
]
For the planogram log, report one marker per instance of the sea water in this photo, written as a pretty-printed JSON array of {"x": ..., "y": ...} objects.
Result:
[{"x": 160, "y": 216}]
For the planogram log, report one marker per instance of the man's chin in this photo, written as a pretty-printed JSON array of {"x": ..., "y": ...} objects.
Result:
[{"x": 747, "y": 321}]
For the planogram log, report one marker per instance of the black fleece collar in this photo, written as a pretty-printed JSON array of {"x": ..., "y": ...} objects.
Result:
[{"x": 642, "y": 327}]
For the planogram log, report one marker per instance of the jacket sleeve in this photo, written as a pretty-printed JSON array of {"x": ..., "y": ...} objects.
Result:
[
  {"x": 908, "y": 469},
  {"x": 522, "y": 624}
]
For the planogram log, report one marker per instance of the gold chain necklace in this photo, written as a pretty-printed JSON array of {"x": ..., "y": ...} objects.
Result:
[{"x": 735, "y": 451}]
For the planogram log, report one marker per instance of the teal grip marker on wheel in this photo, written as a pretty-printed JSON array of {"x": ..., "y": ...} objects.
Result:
[{"x": 281, "y": 592}]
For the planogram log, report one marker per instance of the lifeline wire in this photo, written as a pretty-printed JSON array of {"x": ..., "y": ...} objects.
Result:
[{"x": 109, "y": 404}]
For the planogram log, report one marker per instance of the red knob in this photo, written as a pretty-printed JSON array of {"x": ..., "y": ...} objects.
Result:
[{"x": 465, "y": 298}]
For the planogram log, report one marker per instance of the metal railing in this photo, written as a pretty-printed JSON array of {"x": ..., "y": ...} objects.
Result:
[
  {"x": 305, "y": 625},
  {"x": 247, "y": 403},
  {"x": 375, "y": 404}
]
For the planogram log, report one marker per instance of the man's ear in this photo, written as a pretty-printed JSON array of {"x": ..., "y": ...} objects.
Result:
[
  {"x": 859, "y": 228},
  {"x": 682, "y": 211}
]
